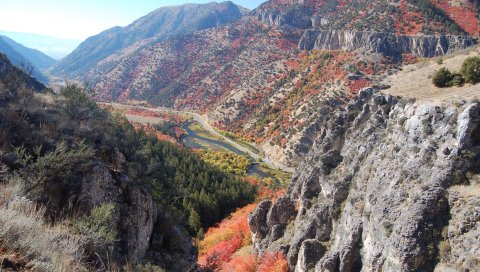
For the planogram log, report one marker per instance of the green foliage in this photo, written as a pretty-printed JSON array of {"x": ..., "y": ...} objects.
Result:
[
  {"x": 227, "y": 161},
  {"x": 59, "y": 164},
  {"x": 470, "y": 73},
  {"x": 143, "y": 268},
  {"x": 471, "y": 70},
  {"x": 444, "y": 78},
  {"x": 457, "y": 80},
  {"x": 167, "y": 128},
  {"x": 78, "y": 104},
  {"x": 179, "y": 179},
  {"x": 57, "y": 146},
  {"x": 194, "y": 221},
  {"x": 98, "y": 226}
]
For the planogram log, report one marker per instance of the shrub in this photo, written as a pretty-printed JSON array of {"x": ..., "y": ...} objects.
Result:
[
  {"x": 78, "y": 104},
  {"x": 471, "y": 70},
  {"x": 442, "y": 78},
  {"x": 61, "y": 163},
  {"x": 273, "y": 262},
  {"x": 98, "y": 226},
  {"x": 457, "y": 80}
]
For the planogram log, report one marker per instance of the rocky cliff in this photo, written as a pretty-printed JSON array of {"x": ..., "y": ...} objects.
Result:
[
  {"x": 296, "y": 16},
  {"x": 381, "y": 190},
  {"x": 144, "y": 230},
  {"x": 388, "y": 44}
]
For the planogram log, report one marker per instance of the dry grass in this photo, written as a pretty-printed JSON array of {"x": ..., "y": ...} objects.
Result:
[
  {"x": 415, "y": 80},
  {"x": 39, "y": 246}
]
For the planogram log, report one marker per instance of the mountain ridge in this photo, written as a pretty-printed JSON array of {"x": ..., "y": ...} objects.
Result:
[
  {"x": 252, "y": 78},
  {"x": 54, "y": 47},
  {"x": 23, "y": 57},
  {"x": 162, "y": 24}
]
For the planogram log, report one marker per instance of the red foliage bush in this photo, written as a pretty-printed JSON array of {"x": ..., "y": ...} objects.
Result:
[
  {"x": 246, "y": 263},
  {"x": 273, "y": 262}
]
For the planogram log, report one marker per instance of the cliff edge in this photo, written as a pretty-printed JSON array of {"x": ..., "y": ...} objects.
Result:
[{"x": 390, "y": 185}]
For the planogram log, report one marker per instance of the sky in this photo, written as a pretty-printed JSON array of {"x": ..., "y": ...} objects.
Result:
[{"x": 79, "y": 19}]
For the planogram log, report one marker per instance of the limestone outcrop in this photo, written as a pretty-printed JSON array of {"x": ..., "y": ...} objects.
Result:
[
  {"x": 388, "y": 44},
  {"x": 380, "y": 190}
]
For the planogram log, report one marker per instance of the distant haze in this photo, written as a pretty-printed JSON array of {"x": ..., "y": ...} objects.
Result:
[
  {"x": 81, "y": 19},
  {"x": 54, "y": 47}
]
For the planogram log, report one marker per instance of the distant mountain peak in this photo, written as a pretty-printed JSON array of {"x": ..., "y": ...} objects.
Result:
[{"x": 162, "y": 23}]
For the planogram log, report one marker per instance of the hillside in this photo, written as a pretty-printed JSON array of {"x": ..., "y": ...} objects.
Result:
[
  {"x": 251, "y": 78},
  {"x": 420, "y": 87},
  {"x": 16, "y": 77},
  {"x": 25, "y": 57},
  {"x": 374, "y": 103},
  {"x": 161, "y": 24},
  {"x": 390, "y": 184},
  {"x": 83, "y": 190},
  {"x": 398, "y": 16}
]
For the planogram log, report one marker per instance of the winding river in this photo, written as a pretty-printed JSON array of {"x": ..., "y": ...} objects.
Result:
[{"x": 193, "y": 140}]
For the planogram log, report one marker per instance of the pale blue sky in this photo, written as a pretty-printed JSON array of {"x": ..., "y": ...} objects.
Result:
[{"x": 79, "y": 19}]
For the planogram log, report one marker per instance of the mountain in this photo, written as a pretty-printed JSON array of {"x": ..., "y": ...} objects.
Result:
[
  {"x": 390, "y": 184},
  {"x": 81, "y": 188},
  {"x": 160, "y": 24},
  {"x": 13, "y": 74},
  {"x": 401, "y": 17},
  {"x": 253, "y": 77},
  {"x": 35, "y": 57},
  {"x": 22, "y": 56},
  {"x": 56, "y": 48}
]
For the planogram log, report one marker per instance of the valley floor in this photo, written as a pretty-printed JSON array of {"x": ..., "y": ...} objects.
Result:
[{"x": 203, "y": 121}]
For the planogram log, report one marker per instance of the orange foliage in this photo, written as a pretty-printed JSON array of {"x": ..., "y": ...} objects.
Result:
[
  {"x": 218, "y": 248},
  {"x": 219, "y": 254},
  {"x": 463, "y": 14},
  {"x": 408, "y": 22},
  {"x": 247, "y": 263},
  {"x": 273, "y": 262},
  {"x": 235, "y": 226},
  {"x": 151, "y": 130}
]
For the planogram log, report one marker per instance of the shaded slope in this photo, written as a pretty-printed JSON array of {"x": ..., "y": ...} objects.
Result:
[
  {"x": 10, "y": 73},
  {"x": 15, "y": 52}
]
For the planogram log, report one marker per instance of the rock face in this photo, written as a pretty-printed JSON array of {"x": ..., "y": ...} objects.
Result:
[
  {"x": 373, "y": 194},
  {"x": 388, "y": 44},
  {"x": 144, "y": 231},
  {"x": 296, "y": 16}
]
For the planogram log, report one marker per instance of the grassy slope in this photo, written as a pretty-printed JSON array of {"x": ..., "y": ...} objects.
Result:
[{"x": 420, "y": 87}]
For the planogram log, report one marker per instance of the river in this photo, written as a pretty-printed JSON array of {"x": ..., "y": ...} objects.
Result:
[{"x": 193, "y": 140}]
